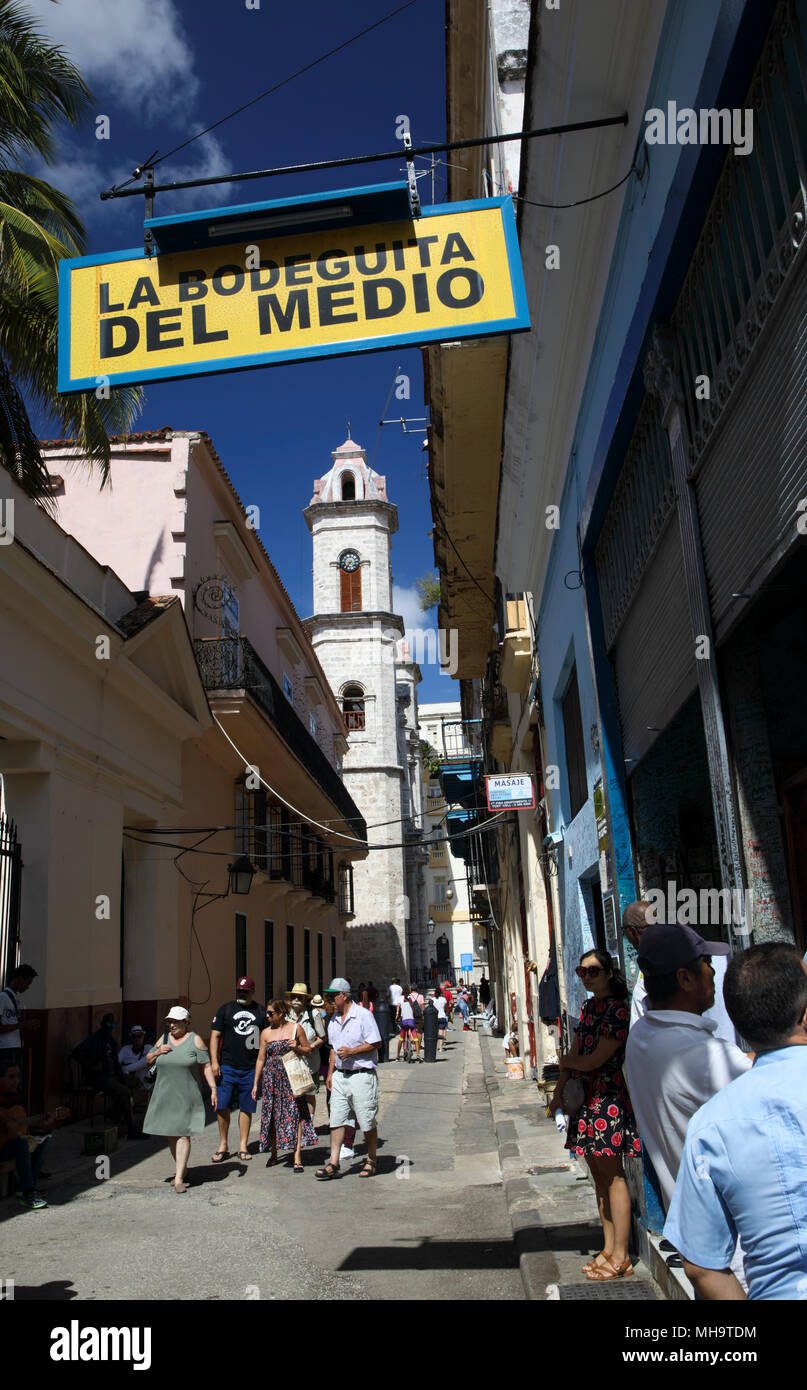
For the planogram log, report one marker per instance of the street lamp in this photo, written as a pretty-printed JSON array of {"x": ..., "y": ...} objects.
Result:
[
  {"x": 430, "y": 926},
  {"x": 241, "y": 873}
]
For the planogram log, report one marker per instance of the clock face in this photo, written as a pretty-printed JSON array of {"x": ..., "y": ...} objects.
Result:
[{"x": 349, "y": 561}]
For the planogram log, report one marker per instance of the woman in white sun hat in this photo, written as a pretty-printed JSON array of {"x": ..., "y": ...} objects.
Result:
[{"x": 176, "y": 1108}]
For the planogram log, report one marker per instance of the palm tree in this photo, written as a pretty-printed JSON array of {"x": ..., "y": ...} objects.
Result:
[{"x": 39, "y": 226}]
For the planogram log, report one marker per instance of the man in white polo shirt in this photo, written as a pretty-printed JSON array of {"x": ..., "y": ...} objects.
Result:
[
  {"x": 674, "y": 1060},
  {"x": 352, "y": 1077}
]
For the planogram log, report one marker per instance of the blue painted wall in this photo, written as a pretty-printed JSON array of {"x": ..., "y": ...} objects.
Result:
[{"x": 705, "y": 58}]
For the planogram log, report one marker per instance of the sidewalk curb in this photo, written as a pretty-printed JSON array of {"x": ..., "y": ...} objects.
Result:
[{"x": 537, "y": 1263}]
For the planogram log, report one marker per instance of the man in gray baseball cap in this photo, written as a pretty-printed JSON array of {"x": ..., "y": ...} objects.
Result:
[{"x": 352, "y": 1076}]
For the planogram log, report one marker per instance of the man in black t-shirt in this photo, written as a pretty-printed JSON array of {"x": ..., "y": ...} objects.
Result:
[{"x": 234, "y": 1043}]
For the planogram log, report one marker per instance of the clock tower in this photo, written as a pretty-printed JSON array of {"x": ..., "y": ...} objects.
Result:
[{"x": 357, "y": 638}]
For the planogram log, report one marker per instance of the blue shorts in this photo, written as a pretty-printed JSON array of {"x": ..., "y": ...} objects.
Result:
[{"x": 235, "y": 1090}]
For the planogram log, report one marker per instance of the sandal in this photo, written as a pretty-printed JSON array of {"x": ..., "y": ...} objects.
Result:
[
  {"x": 592, "y": 1263},
  {"x": 180, "y": 1186},
  {"x": 330, "y": 1171},
  {"x": 298, "y": 1168},
  {"x": 272, "y": 1162},
  {"x": 368, "y": 1171},
  {"x": 220, "y": 1155},
  {"x": 244, "y": 1156},
  {"x": 607, "y": 1272}
]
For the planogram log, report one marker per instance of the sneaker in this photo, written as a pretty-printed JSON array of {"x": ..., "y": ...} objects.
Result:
[
  {"x": 32, "y": 1199},
  {"x": 345, "y": 1153}
]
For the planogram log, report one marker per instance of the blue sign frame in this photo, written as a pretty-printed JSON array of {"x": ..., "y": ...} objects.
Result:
[{"x": 519, "y": 323}]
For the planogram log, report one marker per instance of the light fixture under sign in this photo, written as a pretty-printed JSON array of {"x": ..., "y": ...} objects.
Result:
[{"x": 284, "y": 219}]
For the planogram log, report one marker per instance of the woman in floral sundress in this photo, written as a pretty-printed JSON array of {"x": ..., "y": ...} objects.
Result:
[
  {"x": 285, "y": 1120},
  {"x": 604, "y": 1128}
]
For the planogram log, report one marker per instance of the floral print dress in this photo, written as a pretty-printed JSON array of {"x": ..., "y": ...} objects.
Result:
[
  {"x": 605, "y": 1125},
  {"x": 280, "y": 1108}
]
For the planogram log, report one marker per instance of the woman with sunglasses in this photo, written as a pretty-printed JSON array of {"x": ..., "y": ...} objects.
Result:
[
  {"x": 604, "y": 1128},
  {"x": 285, "y": 1119}
]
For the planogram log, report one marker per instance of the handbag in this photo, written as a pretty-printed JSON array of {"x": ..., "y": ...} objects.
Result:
[
  {"x": 574, "y": 1096},
  {"x": 299, "y": 1073},
  {"x": 151, "y": 1073}
]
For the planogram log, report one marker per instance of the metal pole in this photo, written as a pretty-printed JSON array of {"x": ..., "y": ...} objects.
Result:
[{"x": 566, "y": 129}]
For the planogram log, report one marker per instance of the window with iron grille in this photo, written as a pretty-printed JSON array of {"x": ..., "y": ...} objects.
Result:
[
  {"x": 296, "y": 841},
  {"x": 240, "y": 945},
  {"x": 306, "y": 955},
  {"x": 258, "y": 829},
  {"x": 285, "y": 845},
  {"x": 289, "y": 956},
  {"x": 345, "y": 888},
  {"x": 268, "y": 960},
  {"x": 575, "y": 747}
]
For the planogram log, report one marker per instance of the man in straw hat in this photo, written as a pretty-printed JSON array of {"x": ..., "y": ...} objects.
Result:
[{"x": 310, "y": 1020}]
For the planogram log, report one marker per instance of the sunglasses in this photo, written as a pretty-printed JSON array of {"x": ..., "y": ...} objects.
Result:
[{"x": 589, "y": 971}]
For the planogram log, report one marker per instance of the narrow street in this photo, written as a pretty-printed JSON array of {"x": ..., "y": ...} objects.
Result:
[{"x": 432, "y": 1224}]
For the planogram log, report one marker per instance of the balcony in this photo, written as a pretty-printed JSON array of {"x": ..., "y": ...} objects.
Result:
[
  {"x": 496, "y": 714},
  {"x": 516, "y": 647},
  {"x": 231, "y": 663}
]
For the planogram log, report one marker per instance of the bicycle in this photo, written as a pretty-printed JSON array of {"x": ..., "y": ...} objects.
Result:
[{"x": 408, "y": 1046}]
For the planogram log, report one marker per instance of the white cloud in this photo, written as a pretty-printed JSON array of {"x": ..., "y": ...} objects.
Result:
[
  {"x": 83, "y": 174},
  {"x": 406, "y": 603},
  {"x": 135, "y": 49}
]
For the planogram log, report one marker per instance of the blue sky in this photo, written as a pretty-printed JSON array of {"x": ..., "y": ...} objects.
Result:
[{"x": 163, "y": 69}]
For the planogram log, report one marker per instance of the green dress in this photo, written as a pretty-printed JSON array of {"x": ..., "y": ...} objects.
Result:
[{"x": 176, "y": 1107}]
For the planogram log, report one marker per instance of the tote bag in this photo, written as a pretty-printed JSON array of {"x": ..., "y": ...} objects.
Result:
[{"x": 299, "y": 1073}]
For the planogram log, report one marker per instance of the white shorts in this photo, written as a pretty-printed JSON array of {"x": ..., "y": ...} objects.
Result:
[{"x": 354, "y": 1095}]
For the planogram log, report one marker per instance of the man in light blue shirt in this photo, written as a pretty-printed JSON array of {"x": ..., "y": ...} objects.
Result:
[{"x": 744, "y": 1169}]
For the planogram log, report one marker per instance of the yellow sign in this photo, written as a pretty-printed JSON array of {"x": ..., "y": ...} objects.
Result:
[{"x": 453, "y": 273}]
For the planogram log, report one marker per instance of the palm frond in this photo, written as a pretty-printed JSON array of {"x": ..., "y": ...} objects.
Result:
[{"x": 19, "y": 447}]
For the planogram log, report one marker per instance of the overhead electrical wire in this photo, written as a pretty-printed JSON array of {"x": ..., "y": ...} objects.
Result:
[
  {"x": 277, "y": 85},
  {"x": 228, "y": 853},
  {"x": 443, "y": 527},
  {"x": 578, "y": 203},
  {"x": 310, "y": 821}
]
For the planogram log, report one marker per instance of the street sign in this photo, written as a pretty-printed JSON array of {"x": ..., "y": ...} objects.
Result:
[
  {"x": 265, "y": 295},
  {"x": 466, "y": 962},
  {"x": 510, "y": 793}
]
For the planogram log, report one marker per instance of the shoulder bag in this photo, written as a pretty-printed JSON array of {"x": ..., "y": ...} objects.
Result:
[{"x": 299, "y": 1073}]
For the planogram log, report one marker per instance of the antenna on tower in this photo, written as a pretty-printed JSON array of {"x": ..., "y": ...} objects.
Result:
[{"x": 349, "y": 435}]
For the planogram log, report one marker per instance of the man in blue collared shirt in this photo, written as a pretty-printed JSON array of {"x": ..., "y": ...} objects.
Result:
[
  {"x": 744, "y": 1169},
  {"x": 352, "y": 1077}
]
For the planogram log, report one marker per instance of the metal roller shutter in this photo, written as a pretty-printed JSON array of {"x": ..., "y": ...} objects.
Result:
[
  {"x": 754, "y": 470},
  {"x": 654, "y": 653}
]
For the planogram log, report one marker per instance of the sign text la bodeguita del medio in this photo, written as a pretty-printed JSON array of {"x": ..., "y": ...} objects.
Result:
[{"x": 455, "y": 272}]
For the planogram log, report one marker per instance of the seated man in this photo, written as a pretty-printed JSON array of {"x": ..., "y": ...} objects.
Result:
[
  {"x": 27, "y": 1152},
  {"x": 98, "y": 1057},
  {"x": 132, "y": 1059}
]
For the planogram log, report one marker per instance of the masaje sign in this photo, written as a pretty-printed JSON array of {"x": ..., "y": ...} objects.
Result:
[{"x": 455, "y": 272}]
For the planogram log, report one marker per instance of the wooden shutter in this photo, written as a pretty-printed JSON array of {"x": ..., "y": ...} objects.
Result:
[{"x": 350, "y": 585}]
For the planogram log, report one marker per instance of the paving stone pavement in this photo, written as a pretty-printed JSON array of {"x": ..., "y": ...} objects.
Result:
[
  {"x": 550, "y": 1200},
  {"x": 432, "y": 1224}
]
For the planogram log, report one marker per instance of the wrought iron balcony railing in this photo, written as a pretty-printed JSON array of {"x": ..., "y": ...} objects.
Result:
[{"x": 231, "y": 663}]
